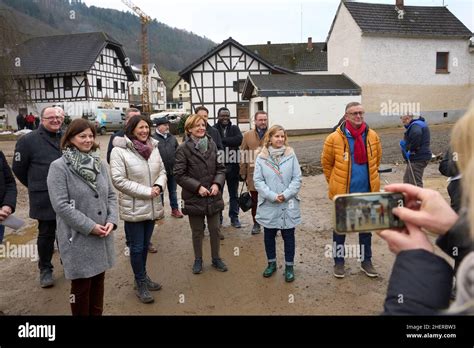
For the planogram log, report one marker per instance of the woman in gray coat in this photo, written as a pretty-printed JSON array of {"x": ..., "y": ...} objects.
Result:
[{"x": 85, "y": 203}]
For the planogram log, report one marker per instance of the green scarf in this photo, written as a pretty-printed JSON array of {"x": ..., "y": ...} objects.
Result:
[
  {"x": 86, "y": 165},
  {"x": 201, "y": 144}
]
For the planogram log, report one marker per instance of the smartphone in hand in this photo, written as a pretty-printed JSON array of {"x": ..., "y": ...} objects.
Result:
[{"x": 363, "y": 212}]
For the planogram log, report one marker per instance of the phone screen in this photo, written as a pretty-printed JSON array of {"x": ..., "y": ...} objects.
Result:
[{"x": 362, "y": 212}]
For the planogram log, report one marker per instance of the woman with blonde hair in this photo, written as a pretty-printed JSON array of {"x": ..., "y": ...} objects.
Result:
[
  {"x": 425, "y": 279},
  {"x": 277, "y": 178},
  {"x": 201, "y": 175}
]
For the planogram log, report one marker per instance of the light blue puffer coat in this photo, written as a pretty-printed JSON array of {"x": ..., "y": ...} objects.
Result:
[{"x": 271, "y": 180}]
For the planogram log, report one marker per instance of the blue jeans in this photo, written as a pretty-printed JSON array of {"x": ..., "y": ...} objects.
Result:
[
  {"x": 288, "y": 242},
  {"x": 171, "y": 184},
  {"x": 139, "y": 235},
  {"x": 2, "y": 232},
  {"x": 365, "y": 242}
]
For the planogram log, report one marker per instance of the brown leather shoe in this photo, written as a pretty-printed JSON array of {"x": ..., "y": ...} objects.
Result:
[
  {"x": 152, "y": 249},
  {"x": 176, "y": 213}
]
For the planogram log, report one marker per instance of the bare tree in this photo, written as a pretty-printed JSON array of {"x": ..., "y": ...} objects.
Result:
[{"x": 12, "y": 91}]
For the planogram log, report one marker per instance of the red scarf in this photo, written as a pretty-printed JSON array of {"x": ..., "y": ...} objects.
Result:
[{"x": 360, "y": 152}]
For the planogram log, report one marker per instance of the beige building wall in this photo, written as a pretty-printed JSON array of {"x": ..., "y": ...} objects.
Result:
[{"x": 344, "y": 46}]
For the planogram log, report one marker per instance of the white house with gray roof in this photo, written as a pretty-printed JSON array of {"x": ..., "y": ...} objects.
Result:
[
  {"x": 302, "y": 104},
  {"x": 79, "y": 72},
  {"x": 405, "y": 58}
]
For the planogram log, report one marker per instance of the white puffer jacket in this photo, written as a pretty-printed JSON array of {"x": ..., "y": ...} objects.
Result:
[{"x": 134, "y": 177}]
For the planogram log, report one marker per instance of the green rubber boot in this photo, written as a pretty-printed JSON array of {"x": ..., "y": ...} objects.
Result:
[
  {"x": 271, "y": 268},
  {"x": 289, "y": 274}
]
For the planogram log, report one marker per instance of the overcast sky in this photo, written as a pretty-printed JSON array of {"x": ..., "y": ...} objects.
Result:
[{"x": 259, "y": 21}]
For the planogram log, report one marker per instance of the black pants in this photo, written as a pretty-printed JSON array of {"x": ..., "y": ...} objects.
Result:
[
  {"x": 46, "y": 238},
  {"x": 232, "y": 181}
]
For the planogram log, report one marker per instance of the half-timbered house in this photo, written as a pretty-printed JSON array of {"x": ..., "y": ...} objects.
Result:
[
  {"x": 80, "y": 72},
  {"x": 217, "y": 79},
  {"x": 156, "y": 88}
]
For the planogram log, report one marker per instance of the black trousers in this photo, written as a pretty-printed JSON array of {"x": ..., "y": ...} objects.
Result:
[{"x": 45, "y": 243}]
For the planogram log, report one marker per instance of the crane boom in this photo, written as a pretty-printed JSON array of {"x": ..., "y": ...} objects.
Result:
[{"x": 144, "y": 19}]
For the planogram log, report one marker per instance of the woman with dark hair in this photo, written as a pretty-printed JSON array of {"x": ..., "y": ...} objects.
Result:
[
  {"x": 201, "y": 176},
  {"x": 85, "y": 203},
  {"x": 139, "y": 174},
  {"x": 8, "y": 193}
]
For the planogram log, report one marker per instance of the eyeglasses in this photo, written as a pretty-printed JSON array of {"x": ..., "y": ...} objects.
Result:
[
  {"x": 357, "y": 113},
  {"x": 57, "y": 118}
]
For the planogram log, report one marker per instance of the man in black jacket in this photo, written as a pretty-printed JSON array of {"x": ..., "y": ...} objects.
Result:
[
  {"x": 34, "y": 153},
  {"x": 8, "y": 192},
  {"x": 416, "y": 144},
  {"x": 20, "y": 121},
  {"x": 167, "y": 144},
  {"x": 231, "y": 139}
]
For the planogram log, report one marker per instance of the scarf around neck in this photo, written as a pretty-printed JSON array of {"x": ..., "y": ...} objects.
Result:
[
  {"x": 144, "y": 149},
  {"x": 360, "y": 153},
  {"x": 86, "y": 165},
  {"x": 201, "y": 144},
  {"x": 276, "y": 154}
]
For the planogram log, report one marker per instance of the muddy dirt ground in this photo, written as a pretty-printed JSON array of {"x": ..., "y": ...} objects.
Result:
[{"x": 241, "y": 290}]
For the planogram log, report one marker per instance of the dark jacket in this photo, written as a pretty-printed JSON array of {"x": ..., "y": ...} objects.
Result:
[
  {"x": 214, "y": 134},
  {"x": 167, "y": 149},
  {"x": 457, "y": 243},
  {"x": 448, "y": 168},
  {"x": 34, "y": 153},
  {"x": 20, "y": 121},
  {"x": 8, "y": 190},
  {"x": 119, "y": 133},
  {"x": 192, "y": 170},
  {"x": 424, "y": 279},
  {"x": 231, "y": 142},
  {"x": 417, "y": 138}
]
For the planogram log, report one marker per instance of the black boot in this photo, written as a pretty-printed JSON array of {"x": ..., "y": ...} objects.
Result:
[
  {"x": 142, "y": 292},
  {"x": 151, "y": 285},
  {"x": 46, "y": 278}
]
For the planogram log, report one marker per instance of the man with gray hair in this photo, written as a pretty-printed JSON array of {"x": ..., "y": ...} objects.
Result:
[
  {"x": 34, "y": 153},
  {"x": 350, "y": 160}
]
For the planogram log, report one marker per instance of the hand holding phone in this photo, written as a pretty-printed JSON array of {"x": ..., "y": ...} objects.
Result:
[{"x": 362, "y": 212}]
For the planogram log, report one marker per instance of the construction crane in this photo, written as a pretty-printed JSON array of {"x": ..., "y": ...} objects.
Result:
[{"x": 145, "y": 19}]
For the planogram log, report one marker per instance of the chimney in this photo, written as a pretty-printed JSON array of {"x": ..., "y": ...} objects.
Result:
[
  {"x": 309, "y": 47},
  {"x": 269, "y": 42},
  {"x": 400, "y": 5}
]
